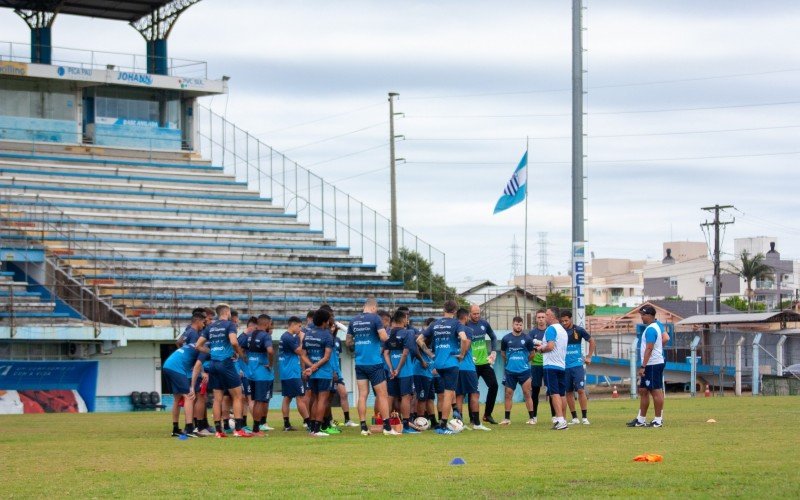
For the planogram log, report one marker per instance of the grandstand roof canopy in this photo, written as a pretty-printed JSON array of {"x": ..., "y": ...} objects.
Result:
[{"x": 103, "y": 9}]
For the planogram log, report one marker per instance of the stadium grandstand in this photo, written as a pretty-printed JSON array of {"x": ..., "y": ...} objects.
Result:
[{"x": 125, "y": 204}]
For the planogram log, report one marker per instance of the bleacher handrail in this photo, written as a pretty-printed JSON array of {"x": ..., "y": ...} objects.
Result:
[
  {"x": 341, "y": 217},
  {"x": 103, "y": 59}
]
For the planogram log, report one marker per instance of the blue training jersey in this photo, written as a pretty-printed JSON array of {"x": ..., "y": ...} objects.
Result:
[
  {"x": 399, "y": 340},
  {"x": 418, "y": 369},
  {"x": 258, "y": 345},
  {"x": 182, "y": 360},
  {"x": 315, "y": 342},
  {"x": 217, "y": 334},
  {"x": 364, "y": 328},
  {"x": 468, "y": 363},
  {"x": 189, "y": 335},
  {"x": 518, "y": 349},
  {"x": 575, "y": 336},
  {"x": 446, "y": 343},
  {"x": 288, "y": 360}
]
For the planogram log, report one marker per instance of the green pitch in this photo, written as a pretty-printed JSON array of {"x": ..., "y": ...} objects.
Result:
[{"x": 752, "y": 452}]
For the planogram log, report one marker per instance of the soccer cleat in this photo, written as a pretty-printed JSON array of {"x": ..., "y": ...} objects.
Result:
[
  {"x": 636, "y": 423},
  {"x": 365, "y": 432},
  {"x": 220, "y": 435},
  {"x": 391, "y": 432},
  {"x": 350, "y": 423},
  {"x": 258, "y": 434},
  {"x": 210, "y": 430},
  {"x": 554, "y": 420},
  {"x": 489, "y": 419},
  {"x": 457, "y": 414},
  {"x": 266, "y": 427},
  {"x": 480, "y": 427},
  {"x": 574, "y": 421},
  {"x": 531, "y": 421},
  {"x": 560, "y": 426},
  {"x": 331, "y": 431},
  {"x": 247, "y": 429},
  {"x": 289, "y": 429},
  {"x": 241, "y": 433},
  {"x": 505, "y": 421},
  {"x": 318, "y": 434},
  {"x": 444, "y": 432},
  {"x": 203, "y": 432},
  {"x": 228, "y": 431},
  {"x": 335, "y": 423},
  {"x": 176, "y": 434},
  {"x": 656, "y": 423},
  {"x": 585, "y": 421},
  {"x": 410, "y": 431}
]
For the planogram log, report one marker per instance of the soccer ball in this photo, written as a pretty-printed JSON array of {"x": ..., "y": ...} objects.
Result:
[
  {"x": 232, "y": 423},
  {"x": 455, "y": 425},
  {"x": 422, "y": 423}
]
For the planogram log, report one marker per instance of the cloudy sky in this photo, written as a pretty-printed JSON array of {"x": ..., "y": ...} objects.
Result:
[{"x": 689, "y": 104}]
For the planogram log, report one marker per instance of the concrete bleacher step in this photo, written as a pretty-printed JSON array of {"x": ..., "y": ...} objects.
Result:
[
  {"x": 163, "y": 281},
  {"x": 154, "y": 190},
  {"x": 103, "y": 234},
  {"x": 26, "y": 306},
  {"x": 166, "y": 172},
  {"x": 259, "y": 208},
  {"x": 117, "y": 213},
  {"x": 157, "y": 273},
  {"x": 195, "y": 252},
  {"x": 211, "y": 292},
  {"x": 240, "y": 263}
]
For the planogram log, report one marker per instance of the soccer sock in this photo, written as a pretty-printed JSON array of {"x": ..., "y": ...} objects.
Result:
[
  {"x": 346, "y": 416},
  {"x": 363, "y": 425},
  {"x": 405, "y": 423},
  {"x": 440, "y": 415},
  {"x": 531, "y": 414},
  {"x": 189, "y": 428},
  {"x": 226, "y": 424},
  {"x": 508, "y": 415},
  {"x": 583, "y": 413},
  {"x": 307, "y": 421},
  {"x": 432, "y": 418},
  {"x": 574, "y": 414},
  {"x": 244, "y": 421},
  {"x": 315, "y": 426},
  {"x": 239, "y": 423},
  {"x": 476, "y": 420},
  {"x": 386, "y": 425},
  {"x": 175, "y": 427},
  {"x": 218, "y": 425},
  {"x": 413, "y": 415},
  {"x": 263, "y": 422},
  {"x": 286, "y": 422},
  {"x": 552, "y": 408},
  {"x": 196, "y": 422}
]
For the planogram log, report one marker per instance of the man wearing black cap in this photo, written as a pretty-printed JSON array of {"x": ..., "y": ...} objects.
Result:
[{"x": 651, "y": 370}]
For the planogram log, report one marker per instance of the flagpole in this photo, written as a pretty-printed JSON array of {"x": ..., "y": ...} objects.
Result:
[{"x": 525, "y": 245}]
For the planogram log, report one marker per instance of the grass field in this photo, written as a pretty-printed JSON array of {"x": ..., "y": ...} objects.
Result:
[{"x": 752, "y": 451}]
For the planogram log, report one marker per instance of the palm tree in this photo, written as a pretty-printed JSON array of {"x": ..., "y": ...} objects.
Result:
[{"x": 750, "y": 269}]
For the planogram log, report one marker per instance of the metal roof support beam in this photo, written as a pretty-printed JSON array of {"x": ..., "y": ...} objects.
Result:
[
  {"x": 155, "y": 28},
  {"x": 40, "y": 22},
  {"x": 756, "y": 364}
]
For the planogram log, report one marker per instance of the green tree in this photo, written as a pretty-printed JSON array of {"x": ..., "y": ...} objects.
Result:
[
  {"x": 591, "y": 310},
  {"x": 750, "y": 268},
  {"x": 558, "y": 299},
  {"x": 741, "y": 304},
  {"x": 417, "y": 274}
]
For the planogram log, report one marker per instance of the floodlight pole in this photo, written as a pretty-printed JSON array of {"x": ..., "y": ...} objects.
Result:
[
  {"x": 393, "y": 177},
  {"x": 578, "y": 221}
]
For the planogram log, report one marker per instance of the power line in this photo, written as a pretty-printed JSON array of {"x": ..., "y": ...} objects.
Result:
[
  {"x": 317, "y": 120},
  {"x": 335, "y": 137},
  {"x": 604, "y": 136},
  {"x": 382, "y": 145},
  {"x": 598, "y": 87},
  {"x": 636, "y": 111}
]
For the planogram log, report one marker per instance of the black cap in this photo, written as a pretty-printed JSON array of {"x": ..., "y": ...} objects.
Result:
[{"x": 647, "y": 309}]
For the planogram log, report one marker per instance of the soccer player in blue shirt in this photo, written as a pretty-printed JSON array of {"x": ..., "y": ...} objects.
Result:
[
  {"x": 450, "y": 345},
  {"x": 179, "y": 369},
  {"x": 517, "y": 350},
  {"x": 537, "y": 364},
  {"x": 365, "y": 334},
  {"x": 398, "y": 352},
  {"x": 317, "y": 349},
  {"x": 289, "y": 351},
  {"x": 575, "y": 371},
  {"x": 555, "y": 353},
  {"x": 260, "y": 356},
  {"x": 224, "y": 346},
  {"x": 468, "y": 376},
  {"x": 338, "y": 380}
]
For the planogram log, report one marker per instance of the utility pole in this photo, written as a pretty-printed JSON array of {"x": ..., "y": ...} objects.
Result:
[
  {"x": 393, "y": 176},
  {"x": 544, "y": 269},
  {"x": 578, "y": 221},
  {"x": 717, "y": 284}
]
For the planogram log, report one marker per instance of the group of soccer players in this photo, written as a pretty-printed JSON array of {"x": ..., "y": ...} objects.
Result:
[{"x": 418, "y": 374}]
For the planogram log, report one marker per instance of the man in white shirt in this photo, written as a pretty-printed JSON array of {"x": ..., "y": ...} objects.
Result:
[
  {"x": 651, "y": 371},
  {"x": 554, "y": 349}
]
